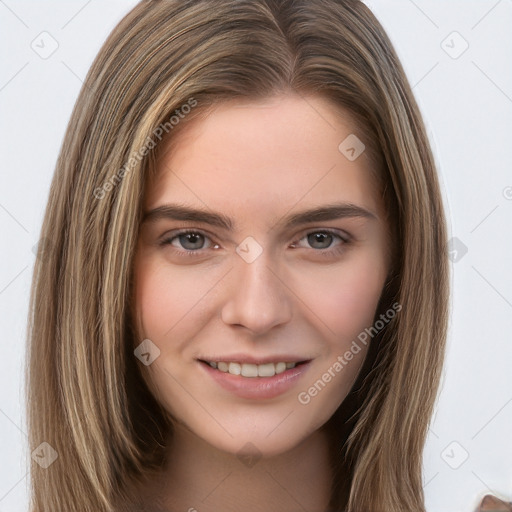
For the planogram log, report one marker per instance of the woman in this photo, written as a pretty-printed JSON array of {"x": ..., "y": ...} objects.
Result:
[{"x": 190, "y": 347}]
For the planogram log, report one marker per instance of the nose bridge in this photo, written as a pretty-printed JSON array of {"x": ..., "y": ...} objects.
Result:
[{"x": 258, "y": 300}]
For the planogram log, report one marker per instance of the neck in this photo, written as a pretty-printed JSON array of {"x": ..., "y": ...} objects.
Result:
[{"x": 199, "y": 477}]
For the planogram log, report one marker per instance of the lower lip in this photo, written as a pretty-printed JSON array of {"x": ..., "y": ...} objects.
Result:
[{"x": 257, "y": 388}]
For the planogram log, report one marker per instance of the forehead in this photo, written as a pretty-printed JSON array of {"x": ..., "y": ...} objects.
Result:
[{"x": 265, "y": 156}]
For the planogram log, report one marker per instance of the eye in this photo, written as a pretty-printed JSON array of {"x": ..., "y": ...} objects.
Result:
[
  {"x": 189, "y": 241},
  {"x": 323, "y": 239},
  {"x": 192, "y": 242}
]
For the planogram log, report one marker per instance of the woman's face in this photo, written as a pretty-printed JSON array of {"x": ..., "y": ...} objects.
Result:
[{"x": 256, "y": 280}]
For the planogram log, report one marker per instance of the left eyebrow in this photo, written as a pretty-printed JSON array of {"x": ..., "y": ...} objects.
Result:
[{"x": 326, "y": 213}]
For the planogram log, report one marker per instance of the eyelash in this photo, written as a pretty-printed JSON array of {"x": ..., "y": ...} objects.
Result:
[{"x": 323, "y": 252}]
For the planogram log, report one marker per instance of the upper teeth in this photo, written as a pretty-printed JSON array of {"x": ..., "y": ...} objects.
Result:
[{"x": 252, "y": 370}]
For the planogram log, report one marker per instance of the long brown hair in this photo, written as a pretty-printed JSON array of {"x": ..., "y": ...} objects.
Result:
[{"x": 166, "y": 63}]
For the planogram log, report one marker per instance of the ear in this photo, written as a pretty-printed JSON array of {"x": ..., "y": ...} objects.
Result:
[{"x": 492, "y": 504}]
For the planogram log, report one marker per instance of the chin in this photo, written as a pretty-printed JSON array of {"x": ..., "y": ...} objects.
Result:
[{"x": 256, "y": 446}]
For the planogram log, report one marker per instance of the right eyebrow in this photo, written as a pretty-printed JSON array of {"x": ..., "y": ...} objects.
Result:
[{"x": 177, "y": 212}]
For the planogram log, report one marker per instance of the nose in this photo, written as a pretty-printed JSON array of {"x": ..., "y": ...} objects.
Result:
[{"x": 258, "y": 298}]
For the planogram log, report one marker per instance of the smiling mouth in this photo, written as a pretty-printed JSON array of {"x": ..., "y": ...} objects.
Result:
[{"x": 252, "y": 370}]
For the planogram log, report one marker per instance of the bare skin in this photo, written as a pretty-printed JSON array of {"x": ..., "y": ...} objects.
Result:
[
  {"x": 312, "y": 290},
  {"x": 226, "y": 483}
]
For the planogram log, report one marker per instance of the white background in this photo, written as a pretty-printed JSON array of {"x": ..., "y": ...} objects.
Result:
[{"x": 467, "y": 106}]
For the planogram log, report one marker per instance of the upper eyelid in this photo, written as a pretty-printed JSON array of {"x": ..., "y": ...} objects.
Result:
[
  {"x": 175, "y": 233},
  {"x": 338, "y": 232}
]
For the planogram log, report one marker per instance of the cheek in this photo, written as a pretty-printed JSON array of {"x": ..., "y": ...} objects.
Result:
[
  {"x": 153, "y": 300},
  {"x": 345, "y": 298},
  {"x": 164, "y": 299}
]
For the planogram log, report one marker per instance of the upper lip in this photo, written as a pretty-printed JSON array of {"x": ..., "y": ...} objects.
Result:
[{"x": 247, "y": 359}]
